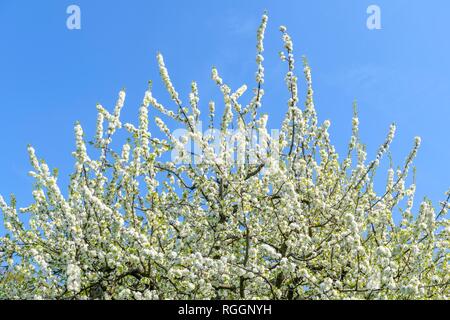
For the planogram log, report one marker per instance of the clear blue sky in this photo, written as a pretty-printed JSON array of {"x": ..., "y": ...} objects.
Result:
[{"x": 51, "y": 76}]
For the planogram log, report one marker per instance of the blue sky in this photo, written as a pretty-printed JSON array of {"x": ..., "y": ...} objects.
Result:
[{"x": 51, "y": 77}]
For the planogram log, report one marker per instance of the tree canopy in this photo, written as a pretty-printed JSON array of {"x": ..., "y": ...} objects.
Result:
[{"x": 237, "y": 212}]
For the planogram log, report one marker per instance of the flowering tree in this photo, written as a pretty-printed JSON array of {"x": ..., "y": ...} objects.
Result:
[{"x": 248, "y": 215}]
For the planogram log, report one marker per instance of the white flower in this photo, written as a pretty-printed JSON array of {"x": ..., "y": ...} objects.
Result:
[{"x": 73, "y": 278}]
